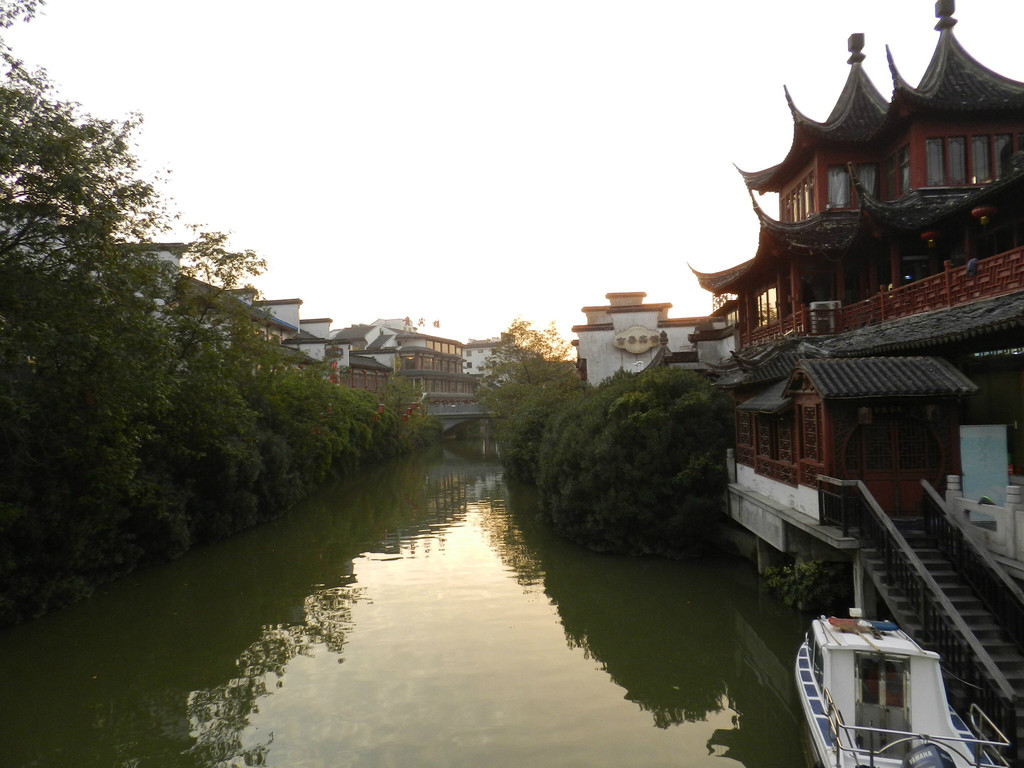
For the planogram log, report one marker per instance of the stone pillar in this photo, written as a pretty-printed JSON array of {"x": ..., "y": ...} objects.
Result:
[
  {"x": 730, "y": 464},
  {"x": 767, "y": 556},
  {"x": 954, "y": 489},
  {"x": 1015, "y": 519},
  {"x": 865, "y": 596}
]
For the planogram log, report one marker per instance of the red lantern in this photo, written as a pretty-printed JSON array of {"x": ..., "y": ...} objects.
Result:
[
  {"x": 930, "y": 237},
  {"x": 983, "y": 213}
]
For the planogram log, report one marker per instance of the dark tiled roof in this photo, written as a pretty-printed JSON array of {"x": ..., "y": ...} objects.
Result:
[
  {"x": 932, "y": 329},
  {"x": 955, "y": 82},
  {"x": 871, "y": 377},
  {"x": 352, "y": 333},
  {"x": 857, "y": 116},
  {"x": 769, "y": 400},
  {"x": 771, "y": 362},
  {"x": 367, "y": 363},
  {"x": 925, "y": 330},
  {"x": 916, "y": 209},
  {"x": 380, "y": 342},
  {"x": 828, "y": 232},
  {"x": 714, "y": 281}
]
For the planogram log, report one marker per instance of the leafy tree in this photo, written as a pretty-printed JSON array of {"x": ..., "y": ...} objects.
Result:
[
  {"x": 529, "y": 374},
  {"x": 140, "y": 411},
  {"x": 78, "y": 339},
  {"x": 637, "y": 465}
]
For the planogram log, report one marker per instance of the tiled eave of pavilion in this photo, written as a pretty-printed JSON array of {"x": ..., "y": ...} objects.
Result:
[
  {"x": 830, "y": 234},
  {"x": 954, "y": 81},
  {"x": 953, "y": 85},
  {"x": 826, "y": 235},
  {"x": 855, "y": 119},
  {"x": 928, "y": 207},
  {"x": 990, "y": 323},
  {"x": 879, "y": 377}
]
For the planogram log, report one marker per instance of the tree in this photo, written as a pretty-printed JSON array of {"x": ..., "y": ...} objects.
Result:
[
  {"x": 637, "y": 465},
  {"x": 529, "y": 374},
  {"x": 79, "y": 339}
]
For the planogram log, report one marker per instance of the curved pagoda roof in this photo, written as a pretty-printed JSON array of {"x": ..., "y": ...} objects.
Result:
[
  {"x": 954, "y": 80},
  {"x": 953, "y": 83},
  {"x": 826, "y": 235},
  {"x": 856, "y": 117}
]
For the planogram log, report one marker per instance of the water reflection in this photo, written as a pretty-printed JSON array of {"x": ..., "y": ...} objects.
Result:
[
  {"x": 685, "y": 642},
  {"x": 420, "y": 616}
]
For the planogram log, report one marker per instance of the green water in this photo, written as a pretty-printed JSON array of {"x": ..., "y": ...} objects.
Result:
[{"x": 418, "y": 616}]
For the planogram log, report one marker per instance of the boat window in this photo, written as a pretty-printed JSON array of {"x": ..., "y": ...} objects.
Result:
[
  {"x": 894, "y": 679},
  {"x": 816, "y": 661},
  {"x": 867, "y": 672}
]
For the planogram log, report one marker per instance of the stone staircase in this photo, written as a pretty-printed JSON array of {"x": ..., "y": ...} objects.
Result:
[{"x": 985, "y": 626}]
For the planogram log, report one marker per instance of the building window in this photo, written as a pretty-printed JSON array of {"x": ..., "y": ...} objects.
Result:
[
  {"x": 980, "y": 164},
  {"x": 935, "y": 157},
  {"x": 956, "y": 150},
  {"x": 767, "y": 307},
  {"x": 798, "y": 203},
  {"x": 1003, "y": 145},
  {"x": 838, "y": 187},
  {"x": 897, "y": 173},
  {"x": 903, "y": 160},
  {"x": 867, "y": 175}
]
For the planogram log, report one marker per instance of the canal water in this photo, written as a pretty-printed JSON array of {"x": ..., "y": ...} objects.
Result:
[{"x": 419, "y": 615}]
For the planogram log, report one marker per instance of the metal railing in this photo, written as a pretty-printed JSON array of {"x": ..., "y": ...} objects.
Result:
[
  {"x": 849, "y": 504},
  {"x": 886, "y": 742},
  {"x": 999, "y": 593}
]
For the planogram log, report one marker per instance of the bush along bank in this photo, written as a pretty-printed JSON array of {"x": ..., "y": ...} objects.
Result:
[
  {"x": 215, "y": 461},
  {"x": 635, "y": 465}
]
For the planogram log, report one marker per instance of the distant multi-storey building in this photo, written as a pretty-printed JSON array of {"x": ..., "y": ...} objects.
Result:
[
  {"x": 433, "y": 364},
  {"x": 477, "y": 353}
]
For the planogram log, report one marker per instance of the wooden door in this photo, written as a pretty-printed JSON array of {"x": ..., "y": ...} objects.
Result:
[{"x": 891, "y": 455}]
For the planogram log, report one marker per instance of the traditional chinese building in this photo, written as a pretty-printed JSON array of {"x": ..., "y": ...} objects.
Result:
[
  {"x": 884, "y": 308},
  {"x": 628, "y": 335}
]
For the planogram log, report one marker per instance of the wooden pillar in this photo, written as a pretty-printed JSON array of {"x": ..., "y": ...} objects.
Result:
[
  {"x": 796, "y": 300},
  {"x": 894, "y": 265}
]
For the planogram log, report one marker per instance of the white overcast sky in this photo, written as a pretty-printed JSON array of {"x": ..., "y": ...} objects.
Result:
[{"x": 471, "y": 161}]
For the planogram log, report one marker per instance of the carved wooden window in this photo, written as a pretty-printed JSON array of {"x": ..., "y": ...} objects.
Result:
[
  {"x": 743, "y": 436},
  {"x": 785, "y": 452},
  {"x": 810, "y": 429},
  {"x": 764, "y": 438}
]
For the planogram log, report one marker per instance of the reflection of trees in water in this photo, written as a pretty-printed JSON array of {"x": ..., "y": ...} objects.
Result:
[
  {"x": 412, "y": 512},
  {"x": 219, "y": 716},
  {"x": 683, "y": 639},
  {"x": 666, "y": 632}
]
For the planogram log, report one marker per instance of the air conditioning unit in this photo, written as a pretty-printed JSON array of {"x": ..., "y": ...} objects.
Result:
[{"x": 823, "y": 317}]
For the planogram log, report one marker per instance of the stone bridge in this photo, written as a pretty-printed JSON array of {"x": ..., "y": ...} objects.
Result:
[{"x": 451, "y": 415}]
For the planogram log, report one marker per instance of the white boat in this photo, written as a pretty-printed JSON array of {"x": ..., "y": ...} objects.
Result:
[{"x": 874, "y": 697}]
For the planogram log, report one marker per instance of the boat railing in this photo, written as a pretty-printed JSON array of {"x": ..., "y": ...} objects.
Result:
[
  {"x": 942, "y": 626},
  {"x": 850, "y": 740},
  {"x": 983, "y": 726},
  {"x": 1000, "y": 594}
]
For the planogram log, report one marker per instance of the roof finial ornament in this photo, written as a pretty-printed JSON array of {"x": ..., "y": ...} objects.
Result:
[
  {"x": 855, "y": 45},
  {"x": 944, "y": 13}
]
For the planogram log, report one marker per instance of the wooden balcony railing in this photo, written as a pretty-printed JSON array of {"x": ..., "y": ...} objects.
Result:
[{"x": 987, "y": 278}]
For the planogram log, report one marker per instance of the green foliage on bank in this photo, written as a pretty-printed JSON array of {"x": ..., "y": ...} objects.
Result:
[
  {"x": 529, "y": 376},
  {"x": 811, "y": 585},
  {"x": 140, "y": 412},
  {"x": 637, "y": 465}
]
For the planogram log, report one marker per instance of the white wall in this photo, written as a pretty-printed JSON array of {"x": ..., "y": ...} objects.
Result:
[{"x": 801, "y": 498}]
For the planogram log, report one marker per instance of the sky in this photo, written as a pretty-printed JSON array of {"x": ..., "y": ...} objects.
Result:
[{"x": 475, "y": 161}]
